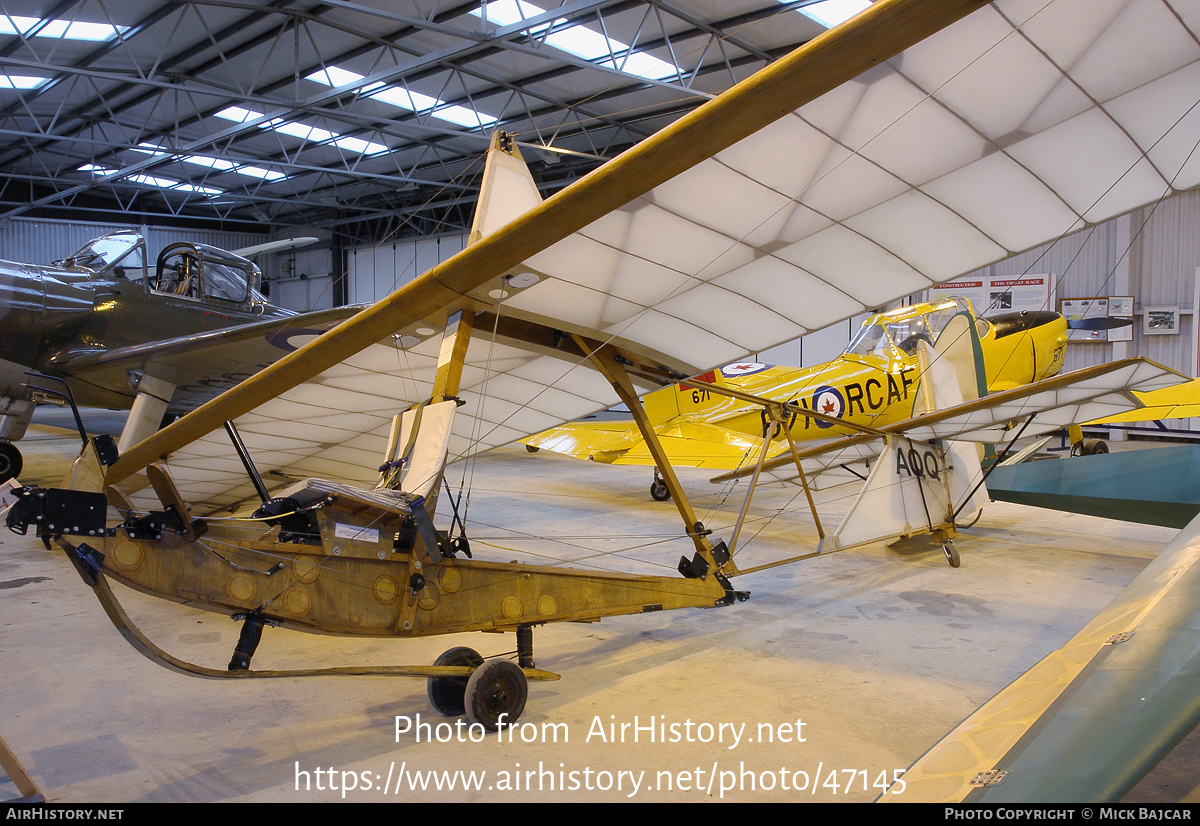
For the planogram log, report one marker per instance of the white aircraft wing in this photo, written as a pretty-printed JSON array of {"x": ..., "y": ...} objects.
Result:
[{"x": 912, "y": 144}]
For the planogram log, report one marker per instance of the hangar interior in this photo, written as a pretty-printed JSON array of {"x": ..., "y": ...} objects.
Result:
[{"x": 363, "y": 126}]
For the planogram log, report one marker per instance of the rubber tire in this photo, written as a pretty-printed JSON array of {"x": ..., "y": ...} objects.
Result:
[
  {"x": 447, "y": 694},
  {"x": 1095, "y": 447},
  {"x": 498, "y": 688},
  {"x": 659, "y": 491},
  {"x": 952, "y": 556},
  {"x": 532, "y": 448},
  {"x": 10, "y": 462}
]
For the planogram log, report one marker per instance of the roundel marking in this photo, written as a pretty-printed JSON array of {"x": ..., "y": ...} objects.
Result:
[
  {"x": 290, "y": 340},
  {"x": 742, "y": 368},
  {"x": 828, "y": 400}
]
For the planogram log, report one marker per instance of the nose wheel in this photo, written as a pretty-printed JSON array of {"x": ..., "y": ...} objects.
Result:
[{"x": 951, "y": 553}]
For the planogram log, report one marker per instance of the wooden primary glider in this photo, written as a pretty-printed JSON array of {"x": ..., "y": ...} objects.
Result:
[{"x": 844, "y": 175}]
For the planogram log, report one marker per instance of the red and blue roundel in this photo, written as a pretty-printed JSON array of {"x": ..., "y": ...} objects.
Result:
[
  {"x": 742, "y": 368},
  {"x": 829, "y": 401}
]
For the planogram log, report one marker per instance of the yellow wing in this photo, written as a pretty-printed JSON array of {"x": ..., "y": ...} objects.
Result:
[
  {"x": 1180, "y": 401},
  {"x": 687, "y": 443}
]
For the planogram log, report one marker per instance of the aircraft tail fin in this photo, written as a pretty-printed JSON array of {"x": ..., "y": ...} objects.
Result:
[
  {"x": 668, "y": 402},
  {"x": 952, "y": 371},
  {"x": 507, "y": 192},
  {"x": 919, "y": 487}
]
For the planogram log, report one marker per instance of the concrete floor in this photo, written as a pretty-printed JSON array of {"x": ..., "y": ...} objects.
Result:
[{"x": 877, "y": 651}]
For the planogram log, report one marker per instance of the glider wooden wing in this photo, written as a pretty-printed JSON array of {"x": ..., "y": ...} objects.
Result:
[{"x": 914, "y": 143}]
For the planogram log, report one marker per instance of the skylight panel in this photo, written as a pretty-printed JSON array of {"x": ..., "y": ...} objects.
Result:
[
  {"x": 402, "y": 98},
  {"x": 220, "y": 164},
  {"x": 830, "y": 13},
  {"x": 259, "y": 172},
  {"x": 68, "y": 29},
  {"x": 303, "y": 131},
  {"x": 177, "y": 186},
  {"x": 151, "y": 180},
  {"x": 21, "y": 82},
  {"x": 508, "y": 12},
  {"x": 579, "y": 40}
]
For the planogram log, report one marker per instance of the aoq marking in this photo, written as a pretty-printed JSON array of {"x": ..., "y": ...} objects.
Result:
[{"x": 918, "y": 464}]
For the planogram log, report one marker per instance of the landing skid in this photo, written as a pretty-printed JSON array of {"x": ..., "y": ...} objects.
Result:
[{"x": 491, "y": 693}]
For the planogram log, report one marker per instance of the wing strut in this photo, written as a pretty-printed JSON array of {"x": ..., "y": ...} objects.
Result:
[
  {"x": 1003, "y": 455},
  {"x": 609, "y": 363},
  {"x": 778, "y": 420}
]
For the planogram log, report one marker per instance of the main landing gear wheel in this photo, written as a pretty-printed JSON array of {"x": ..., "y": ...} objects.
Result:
[
  {"x": 658, "y": 491},
  {"x": 1091, "y": 447},
  {"x": 447, "y": 693},
  {"x": 951, "y": 553},
  {"x": 496, "y": 694},
  {"x": 10, "y": 461}
]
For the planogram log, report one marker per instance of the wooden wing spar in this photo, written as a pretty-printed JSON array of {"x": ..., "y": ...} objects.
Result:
[{"x": 884, "y": 156}]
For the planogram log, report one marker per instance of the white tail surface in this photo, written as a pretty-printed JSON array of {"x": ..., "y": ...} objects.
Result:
[{"x": 916, "y": 487}]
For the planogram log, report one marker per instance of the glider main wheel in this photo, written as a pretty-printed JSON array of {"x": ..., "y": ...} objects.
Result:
[
  {"x": 658, "y": 491},
  {"x": 951, "y": 554},
  {"x": 10, "y": 461},
  {"x": 532, "y": 448},
  {"x": 447, "y": 693},
  {"x": 496, "y": 694}
]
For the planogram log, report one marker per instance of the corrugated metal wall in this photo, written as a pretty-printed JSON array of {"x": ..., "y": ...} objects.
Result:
[
  {"x": 377, "y": 271},
  {"x": 40, "y": 241},
  {"x": 1151, "y": 254}
]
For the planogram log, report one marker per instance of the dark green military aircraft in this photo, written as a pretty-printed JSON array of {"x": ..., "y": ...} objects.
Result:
[{"x": 159, "y": 337}]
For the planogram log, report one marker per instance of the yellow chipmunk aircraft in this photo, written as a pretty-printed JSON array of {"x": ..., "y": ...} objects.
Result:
[{"x": 873, "y": 383}]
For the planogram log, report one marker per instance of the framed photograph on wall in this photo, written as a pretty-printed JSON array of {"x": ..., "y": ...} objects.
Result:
[
  {"x": 1121, "y": 307},
  {"x": 1160, "y": 321}
]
